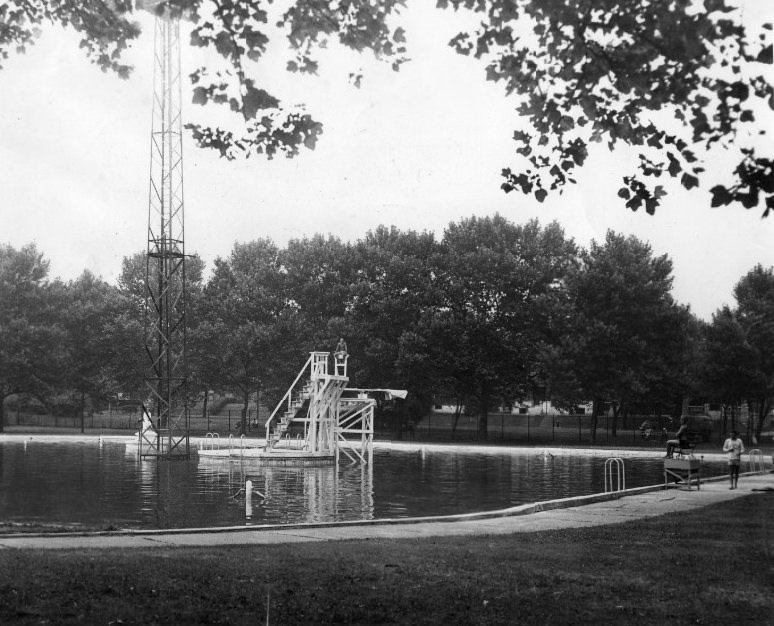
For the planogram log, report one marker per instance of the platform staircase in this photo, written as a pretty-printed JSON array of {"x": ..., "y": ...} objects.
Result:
[
  {"x": 280, "y": 427},
  {"x": 330, "y": 421}
]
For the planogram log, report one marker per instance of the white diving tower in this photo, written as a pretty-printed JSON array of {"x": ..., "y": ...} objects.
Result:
[{"x": 316, "y": 421}]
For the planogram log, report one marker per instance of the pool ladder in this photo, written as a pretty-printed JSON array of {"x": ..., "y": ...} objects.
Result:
[
  {"x": 757, "y": 465},
  {"x": 615, "y": 475}
]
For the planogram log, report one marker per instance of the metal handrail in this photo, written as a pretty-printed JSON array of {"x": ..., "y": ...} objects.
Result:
[
  {"x": 756, "y": 461},
  {"x": 288, "y": 396},
  {"x": 317, "y": 362},
  {"x": 211, "y": 437},
  {"x": 620, "y": 474}
]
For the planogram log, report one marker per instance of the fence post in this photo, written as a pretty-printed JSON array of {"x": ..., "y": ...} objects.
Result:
[
  {"x": 528, "y": 428},
  {"x": 229, "y": 420}
]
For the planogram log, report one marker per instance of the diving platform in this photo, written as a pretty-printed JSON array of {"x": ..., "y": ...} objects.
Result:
[{"x": 317, "y": 422}]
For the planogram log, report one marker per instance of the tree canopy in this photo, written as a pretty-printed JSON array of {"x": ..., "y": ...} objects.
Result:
[
  {"x": 677, "y": 81},
  {"x": 491, "y": 315}
]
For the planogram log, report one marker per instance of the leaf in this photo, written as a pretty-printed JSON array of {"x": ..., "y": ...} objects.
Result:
[
  {"x": 720, "y": 196},
  {"x": 624, "y": 193},
  {"x": 199, "y": 96},
  {"x": 766, "y": 55},
  {"x": 520, "y": 135},
  {"x": 674, "y": 165},
  {"x": 540, "y": 194},
  {"x": 225, "y": 45},
  {"x": 688, "y": 181},
  {"x": 255, "y": 100},
  {"x": 750, "y": 199}
]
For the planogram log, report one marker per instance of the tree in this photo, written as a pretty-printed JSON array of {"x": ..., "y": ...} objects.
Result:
[
  {"x": 246, "y": 325},
  {"x": 728, "y": 364},
  {"x": 676, "y": 359},
  {"x": 676, "y": 82},
  {"x": 128, "y": 357},
  {"x": 755, "y": 313},
  {"x": 496, "y": 282},
  {"x": 30, "y": 340},
  {"x": 620, "y": 304},
  {"x": 391, "y": 289},
  {"x": 88, "y": 306},
  {"x": 319, "y": 273}
]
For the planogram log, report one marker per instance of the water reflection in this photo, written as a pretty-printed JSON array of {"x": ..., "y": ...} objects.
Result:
[{"x": 103, "y": 485}]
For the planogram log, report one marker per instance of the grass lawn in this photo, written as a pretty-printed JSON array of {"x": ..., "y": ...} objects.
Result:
[{"x": 713, "y": 565}]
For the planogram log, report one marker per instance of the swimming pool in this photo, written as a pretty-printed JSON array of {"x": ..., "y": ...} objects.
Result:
[{"x": 89, "y": 483}]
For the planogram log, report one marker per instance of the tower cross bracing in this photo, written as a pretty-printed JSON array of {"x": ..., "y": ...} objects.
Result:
[{"x": 165, "y": 296}]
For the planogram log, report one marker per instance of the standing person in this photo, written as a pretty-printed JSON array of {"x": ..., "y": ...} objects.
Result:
[{"x": 734, "y": 447}]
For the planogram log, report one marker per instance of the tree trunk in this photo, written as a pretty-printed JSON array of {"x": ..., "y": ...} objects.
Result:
[
  {"x": 206, "y": 403},
  {"x": 617, "y": 411},
  {"x": 83, "y": 408},
  {"x": 750, "y": 419},
  {"x": 245, "y": 402},
  {"x": 457, "y": 413},
  {"x": 257, "y": 403},
  {"x": 483, "y": 417},
  {"x": 764, "y": 411},
  {"x": 2, "y": 413},
  {"x": 596, "y": 404},
  {"x": 724, "y": 420}
]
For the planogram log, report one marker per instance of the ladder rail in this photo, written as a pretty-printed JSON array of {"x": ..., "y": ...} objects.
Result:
[
  {"x": 288, "y": 395},
  {"x": 615, "y": 469}
]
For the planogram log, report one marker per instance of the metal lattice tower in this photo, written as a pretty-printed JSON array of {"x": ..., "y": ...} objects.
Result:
[{"x": 165, "y": 296}]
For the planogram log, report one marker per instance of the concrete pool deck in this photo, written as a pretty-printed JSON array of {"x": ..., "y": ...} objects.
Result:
[{"x": 578, "y": 512}]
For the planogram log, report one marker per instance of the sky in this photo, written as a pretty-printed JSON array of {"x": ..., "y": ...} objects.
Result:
[{"x": 416, "y": 149}]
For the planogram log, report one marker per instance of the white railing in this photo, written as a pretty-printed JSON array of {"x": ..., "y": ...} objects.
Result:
[
  {"x": 211, "y": 437},
  {"x": 317, "y": 367},
  {"x": 756, "y": 461},
  {"x": 615, "y": 475}
]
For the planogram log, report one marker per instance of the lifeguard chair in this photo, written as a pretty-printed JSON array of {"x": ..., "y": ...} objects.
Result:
[{"x": 683, "y": 468}]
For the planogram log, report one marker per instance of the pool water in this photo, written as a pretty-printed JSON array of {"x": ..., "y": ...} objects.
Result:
[{"x": 105, "y": 485}]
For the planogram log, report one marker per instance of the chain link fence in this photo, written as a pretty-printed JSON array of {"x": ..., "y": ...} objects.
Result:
[{"x": 550, "y": 429}]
